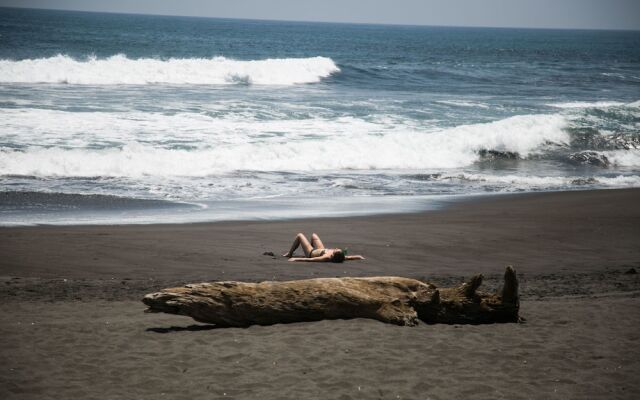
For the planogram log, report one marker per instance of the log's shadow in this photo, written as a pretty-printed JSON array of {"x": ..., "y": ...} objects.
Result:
[{"x": 190, "y": 328}]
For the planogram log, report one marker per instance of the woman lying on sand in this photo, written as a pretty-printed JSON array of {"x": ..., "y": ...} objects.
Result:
[{"x": 316, "y": 252}]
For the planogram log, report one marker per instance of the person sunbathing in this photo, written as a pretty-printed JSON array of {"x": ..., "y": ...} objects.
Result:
[{"x": 316, "y": 252}]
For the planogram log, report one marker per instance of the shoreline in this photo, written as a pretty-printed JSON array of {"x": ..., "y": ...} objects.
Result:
[
  {"x": 437, "y": 203},
  {"x": 145, "y": 209},
  {"x": 111, "y": 210}
]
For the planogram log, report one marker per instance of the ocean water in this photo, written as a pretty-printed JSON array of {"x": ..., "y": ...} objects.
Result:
[{"x": 112, "y": 118}]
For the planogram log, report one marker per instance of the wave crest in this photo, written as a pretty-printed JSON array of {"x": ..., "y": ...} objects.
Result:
[{"x": 120, "y": 70}]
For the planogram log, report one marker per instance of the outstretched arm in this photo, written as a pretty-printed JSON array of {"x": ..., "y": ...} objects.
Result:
[{"x": 354, "y": 258}]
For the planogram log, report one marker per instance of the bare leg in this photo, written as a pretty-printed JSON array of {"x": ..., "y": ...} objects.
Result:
[
  {"x": 300, "y": 240},
  {"x": 316, "y": 242}
]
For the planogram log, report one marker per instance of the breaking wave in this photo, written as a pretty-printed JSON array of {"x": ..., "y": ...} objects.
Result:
[
  {"x": 302, "y": 145},
  {"x": 120, "y": 70}
]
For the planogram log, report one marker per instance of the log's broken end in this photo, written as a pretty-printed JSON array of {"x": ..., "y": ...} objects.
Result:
[
  {"x": 510, "y": 289},
  {"x": 466, "y": 304},
  {"x": 161, "y": 302}
]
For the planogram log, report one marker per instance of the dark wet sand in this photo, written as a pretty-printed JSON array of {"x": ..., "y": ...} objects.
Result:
[{"x": 72, "y": 326}]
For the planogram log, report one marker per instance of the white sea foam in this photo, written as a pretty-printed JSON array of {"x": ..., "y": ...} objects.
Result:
[
  {"x": 587, "y": 104},
  {"x": 635, "y": 104},
  {"x": 624, "y": 158},
  {"x": 529, "y": 182},
  {"x": 119, "y": 144},
  {"x": 119, "y": 69},
  {"x": 463, "y": 103}
]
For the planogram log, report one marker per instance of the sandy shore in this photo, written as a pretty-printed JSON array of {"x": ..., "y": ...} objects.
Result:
[{"x": 72, "y": 326}]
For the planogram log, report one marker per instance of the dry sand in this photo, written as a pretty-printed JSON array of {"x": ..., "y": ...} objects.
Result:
[{"x": 72, "y": 324}]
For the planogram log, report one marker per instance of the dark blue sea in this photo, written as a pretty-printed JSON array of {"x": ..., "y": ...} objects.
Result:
[{"x": 113, "y": 118}]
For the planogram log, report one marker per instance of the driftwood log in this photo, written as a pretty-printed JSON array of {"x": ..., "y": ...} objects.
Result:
[{"x": 394, "y": 300}]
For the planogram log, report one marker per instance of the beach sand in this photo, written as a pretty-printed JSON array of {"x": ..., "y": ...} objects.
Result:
[{"x": 72, "y": 324}]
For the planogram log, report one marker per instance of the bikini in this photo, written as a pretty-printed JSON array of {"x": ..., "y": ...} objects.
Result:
[{"x": 317, "y": 253}]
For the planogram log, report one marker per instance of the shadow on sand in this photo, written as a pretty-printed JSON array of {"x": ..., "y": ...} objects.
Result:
[{"x": 190, "y": 328}]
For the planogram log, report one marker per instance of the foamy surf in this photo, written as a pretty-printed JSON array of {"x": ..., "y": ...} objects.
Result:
[
  {"x": 121, "y": 70},
  {"x": 531, "y": 182},
  {"x": 218, "y": 146},
  {"x": 591, "y": 104},
  {"x": 624, "y": 158}
]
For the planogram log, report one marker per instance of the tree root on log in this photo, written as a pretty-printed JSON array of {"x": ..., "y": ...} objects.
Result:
[{"x": 394, "y": 300}]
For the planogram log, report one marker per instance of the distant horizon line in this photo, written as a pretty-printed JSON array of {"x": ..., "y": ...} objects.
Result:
[{"x": 324, "y": 22}]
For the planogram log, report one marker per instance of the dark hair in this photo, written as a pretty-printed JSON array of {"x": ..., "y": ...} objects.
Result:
[{"x": 337, "y": 256}]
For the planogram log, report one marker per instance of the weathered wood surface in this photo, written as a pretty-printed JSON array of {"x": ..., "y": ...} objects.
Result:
[{"x": 395, "y": 300}]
